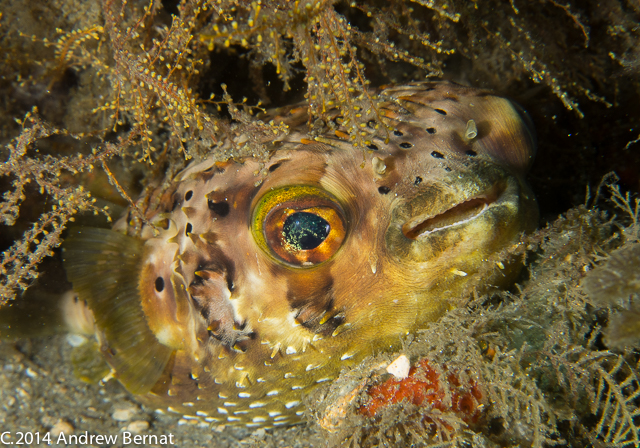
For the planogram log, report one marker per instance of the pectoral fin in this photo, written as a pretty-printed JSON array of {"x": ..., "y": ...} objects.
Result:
[{"x": 104, "y": 268}]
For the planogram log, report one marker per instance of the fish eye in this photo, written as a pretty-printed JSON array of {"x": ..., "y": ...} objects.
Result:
[{"x": 300, "y": 225}]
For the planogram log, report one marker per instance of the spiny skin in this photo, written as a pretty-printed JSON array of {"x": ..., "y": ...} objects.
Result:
[{"x": 239, "y": 322}]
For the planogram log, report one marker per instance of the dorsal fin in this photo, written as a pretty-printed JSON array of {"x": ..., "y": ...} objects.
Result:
[{"x": 104, "y": 268}]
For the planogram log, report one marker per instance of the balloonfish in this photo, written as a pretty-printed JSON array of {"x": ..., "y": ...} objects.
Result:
[{"x": 252, "y": 283}]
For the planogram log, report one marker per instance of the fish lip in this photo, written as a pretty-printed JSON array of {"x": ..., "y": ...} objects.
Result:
[{"x": 459, "y": 214}]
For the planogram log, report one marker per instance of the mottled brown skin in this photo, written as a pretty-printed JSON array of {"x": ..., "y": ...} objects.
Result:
[{"x": 423, "y": 211}]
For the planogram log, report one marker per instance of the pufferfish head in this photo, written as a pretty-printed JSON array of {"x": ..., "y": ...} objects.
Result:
[{"x": 265, "y": 280}]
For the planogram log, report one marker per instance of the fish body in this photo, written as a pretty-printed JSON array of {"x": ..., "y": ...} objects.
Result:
[{"x": 260, "y": 282}]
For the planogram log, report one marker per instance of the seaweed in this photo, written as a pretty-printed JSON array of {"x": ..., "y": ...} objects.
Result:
[{"x": 20, "y": 260}]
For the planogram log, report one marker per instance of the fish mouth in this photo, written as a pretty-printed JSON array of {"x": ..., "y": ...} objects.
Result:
[{"x": 461, "y": 213}]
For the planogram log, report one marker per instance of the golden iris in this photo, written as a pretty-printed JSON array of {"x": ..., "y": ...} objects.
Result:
[{"x": 301, "y": 225}]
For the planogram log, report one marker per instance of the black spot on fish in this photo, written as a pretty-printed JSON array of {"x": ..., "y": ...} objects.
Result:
[
  {"x": 431, "y": 130},
  {"x": 437, "y": 155},
  {"x": 230, "y": 284},
  {"x": 188, "y": 195},
  {"x": 241, "y": 346},
  {"x": 372, "y": 147},
  {"x": 398, "y": 133},
  {"x": 219, "y": 208},
  {"x": 274, "y": 167},
  {"x": 159, "y": 284},
  {"x": 188, "y": 229},
  {"x": 214, "y": 325},
  {"x": 471, "y": 153},
  {"x": 417, "y": 181},
  {"x": 384, "y": 190},
  {"x": 441, "y": 112},
  {"x": 406, "y": 145}
]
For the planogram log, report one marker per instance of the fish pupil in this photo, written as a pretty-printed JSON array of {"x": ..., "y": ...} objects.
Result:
[{"x": 305, "y": 231}]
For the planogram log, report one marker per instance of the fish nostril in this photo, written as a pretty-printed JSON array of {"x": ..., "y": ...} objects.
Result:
[
  {"x": 437, "y": 155},
  {"x": 398, "y": 133},
  {"x": 406, "y": 145},
  {"x": 384, "y": 190},
  {"x": 188, "y": 195},
  {"x": 431, "y": 130},
  {"x": 441, "y": 111}
]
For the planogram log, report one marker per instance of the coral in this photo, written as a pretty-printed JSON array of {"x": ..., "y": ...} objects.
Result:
[{"x": 433, "y": 391}]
